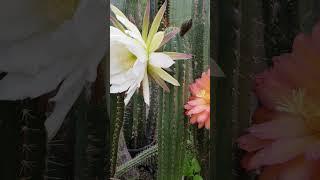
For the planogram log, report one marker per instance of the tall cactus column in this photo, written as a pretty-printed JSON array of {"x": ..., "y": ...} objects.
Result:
[
  {"x": 200, "y": 63},
  {"x": 225, "y": 97},
  {"x": 171, "y": 128}
]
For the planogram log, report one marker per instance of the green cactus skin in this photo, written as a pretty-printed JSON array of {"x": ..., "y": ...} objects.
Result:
[
  {"x": 142, "y": 158},
  {"x": 117, "y": 110},
  {"x": 97, "y": 126},
  {"x": 171, "y": 126},
  {"x": 128, "y": 123},
  {"x": 9, "y": 136},
  {"x": 89, "y": 115},
  {"x": 228, "y": 42},
  {"x": 214, "y": 33},
  {"x": 80, "y": 115},
  {"x": 200, "y": 63},
  {"x": 306, "y": 15},
  {"x": 171, "y": 130},
  {"x": 281, "y": 26},
  {"x": 60, "y": 151},
  {"x": 24, "y": 140},
  {"x": 251, "y": 61}
]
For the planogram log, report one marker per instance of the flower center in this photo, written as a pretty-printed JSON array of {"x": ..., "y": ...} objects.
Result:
[
  {"x": 204, "y": 95},
  {"x": 60, "y": 10},
  {"x": 131, "y": 59},
  {"x": 297, "y": 103}
]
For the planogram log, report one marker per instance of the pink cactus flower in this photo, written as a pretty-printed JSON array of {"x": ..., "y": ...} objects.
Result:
[
  {"x": 198, "y": 106},
  {"x": 284, "y": 140}
]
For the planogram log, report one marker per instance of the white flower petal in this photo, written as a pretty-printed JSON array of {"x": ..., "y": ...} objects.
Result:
[
  {"x": 89, "y": 22},
  {"x": 156, "y": 41},
  {"x": 16, "y": 86},
  {"x": 146, "y": 90},
  {"x": 139, "y": 68},
  {"x": 118, "y": 88},
  {"x": 70, "y": 53},
  {"x": 121, "y": 59},
  {"x": 67, "y": 95},
  {"x": 120, "y": 78},
  {"x": 130, "y": 93},
  {"x": 97, "y": 55},
  {"x": 20, "y": 19},
  {"x": 161, "y": 60},
  {"x": 74, "y": 36},
  {"x": 135, "y": 86},
  {"x": 116, "y": 11},
  {"x": 116, "y": 33},
  {"x": 134, "y": 31},
  {"x": 163, "y": 75},
  {"x": 72, "y": 86},
  {"x": 132, "y": 45}
]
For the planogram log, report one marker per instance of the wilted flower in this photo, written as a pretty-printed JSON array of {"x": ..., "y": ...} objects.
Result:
[
  {"x": 134, "y": 57},
  {"x": 285, "y": 137},
  {"x": 198, "y": 106}
]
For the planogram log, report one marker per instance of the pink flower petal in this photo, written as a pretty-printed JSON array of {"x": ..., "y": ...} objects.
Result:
[
  {"x": 262, "y": 115},
  {"x": 313, "y": 152},
  {"x": 197, "y": 109},
  {"x": 203, "y": 117},
  {"x": 280, "y": 151},
  {"x": 198, "y": 106},
  {"x": 200, "y": 125},
  {"x": 246, "y": 160},
  {"x": 316, "y": 36},
  {"x": 296, "y": 170},
  {"x": 187, "y": 106},
  {"x": 207, "y": 124},
  {"x": 197, "y": 101},
  {"x": 193, "y": 119},
  {"x": 251, "y": 143},
  {"x": 283, "y": 125},
  {"x": 271, "y": 172}
]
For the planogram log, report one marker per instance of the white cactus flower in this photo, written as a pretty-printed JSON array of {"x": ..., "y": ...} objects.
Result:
[
  {"x": 38, "y": 58},
  {"x": 134, "y": 57}
]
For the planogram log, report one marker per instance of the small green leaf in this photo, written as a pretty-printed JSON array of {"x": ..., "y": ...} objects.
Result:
[
  {"x": 196, "y": 165},
  {"x": 187, "y": 168},
  {"x": 197, "y": 177}
]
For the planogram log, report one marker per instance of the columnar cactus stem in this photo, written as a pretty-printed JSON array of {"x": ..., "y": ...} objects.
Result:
[
  {"x": 226, "y": 92},
  {"x": 200, "y": 63},
  {"x": 117, "y": 109}
]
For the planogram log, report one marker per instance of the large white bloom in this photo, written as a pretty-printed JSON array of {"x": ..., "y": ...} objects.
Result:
[
  {"x": 37, "y": 58},
  {"x": 133, "y": 56}
]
